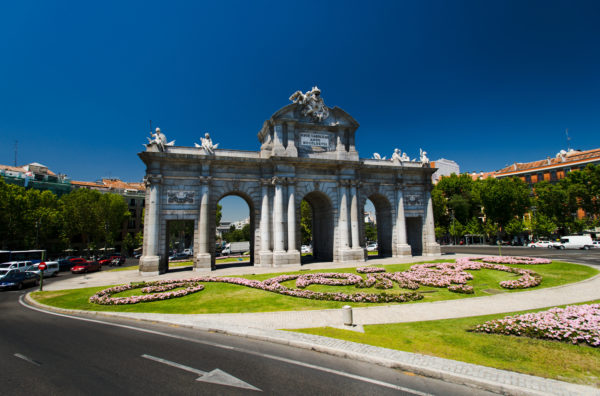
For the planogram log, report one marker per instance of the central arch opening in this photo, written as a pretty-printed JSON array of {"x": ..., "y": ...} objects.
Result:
[
  {"x": 234, "y": 239},
  {"x": 378, "y": 226},
  {"x": 319, "y": 228}
]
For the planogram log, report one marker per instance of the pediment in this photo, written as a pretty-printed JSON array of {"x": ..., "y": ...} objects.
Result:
[{"x": 293, "y": 112}]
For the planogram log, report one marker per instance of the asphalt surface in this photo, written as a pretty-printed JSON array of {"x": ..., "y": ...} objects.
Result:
[
  {"x": 591, "y": 256},
  {"x": 43, "y": 353}
]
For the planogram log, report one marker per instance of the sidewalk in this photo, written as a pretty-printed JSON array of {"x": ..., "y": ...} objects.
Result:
[{"x": 263, "y": 326}]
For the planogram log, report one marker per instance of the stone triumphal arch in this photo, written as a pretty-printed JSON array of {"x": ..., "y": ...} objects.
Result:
[{"x": 307, "y": 152}]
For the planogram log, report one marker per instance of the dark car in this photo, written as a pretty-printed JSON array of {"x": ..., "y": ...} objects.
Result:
[
  {"x": 64, "y": 264},
  {"x": 88, "y": 266},
  {"x": 17, "y": 280}
]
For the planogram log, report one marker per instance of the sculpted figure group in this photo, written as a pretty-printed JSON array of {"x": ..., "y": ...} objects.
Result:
[{"x": 313, "y": 105}]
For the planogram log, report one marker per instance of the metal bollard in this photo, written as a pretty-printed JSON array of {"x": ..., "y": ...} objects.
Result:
[{"x": 347, "y": 315}]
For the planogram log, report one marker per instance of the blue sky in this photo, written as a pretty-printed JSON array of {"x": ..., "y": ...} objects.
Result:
[{"x": 482, "y": 83}]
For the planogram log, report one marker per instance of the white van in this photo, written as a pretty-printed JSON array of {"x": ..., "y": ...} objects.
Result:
[
  {"x": 52, "y": 268},
  {"x": 575, "y": 242},
  {"x": 20, "y": 266}
]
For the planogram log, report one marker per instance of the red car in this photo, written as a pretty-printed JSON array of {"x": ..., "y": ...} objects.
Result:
[
  {"x": 112, "y": 260},
  {"x": 87, "y": 266}
]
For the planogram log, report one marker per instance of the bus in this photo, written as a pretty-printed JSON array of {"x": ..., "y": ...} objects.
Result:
[{"x": 35, "y": 256}]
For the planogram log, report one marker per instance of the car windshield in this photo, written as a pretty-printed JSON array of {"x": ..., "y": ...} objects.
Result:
[{"x": 7, "y": 265}]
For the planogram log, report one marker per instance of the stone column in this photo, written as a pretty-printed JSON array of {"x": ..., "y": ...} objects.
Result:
[
  {"x": 431, "y": 247},
  {"x": 265, "y": 254},
  {"x": 291, "y": 216},
  {"x": 402, "y": 247},
  {"x": 149, "y": 262},
  {"x": 354, "y": 218},
  {"x": 278, "y": 220},
  {"x": 343, "y": 217},
  {"x": 203, "y": 256}
]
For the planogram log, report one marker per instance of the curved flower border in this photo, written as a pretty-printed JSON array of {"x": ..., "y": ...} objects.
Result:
[{"x": 450, "y": 275}]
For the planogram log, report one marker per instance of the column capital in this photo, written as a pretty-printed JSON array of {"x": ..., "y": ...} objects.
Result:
[
  {"x": 265, "y": 181},
  {"x": 205, "y": 179},
  {"x": 290, "y": 181},
  {"x": 356, "y": 183},
  {"x": 153, "y": 179},
  {"x": 344, "y": 182},
  {"x": 277, "y": 180}
]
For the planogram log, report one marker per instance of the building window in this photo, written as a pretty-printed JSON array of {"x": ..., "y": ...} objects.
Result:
[
  {"x": 132, "y": 202},
  {"x": 528, "y": 179},
  {"x": 553, "y": 176},
  {"x": 540, "y": 177}
]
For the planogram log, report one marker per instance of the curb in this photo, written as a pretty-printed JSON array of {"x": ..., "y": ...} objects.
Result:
[{"x": 489, "y": 379}]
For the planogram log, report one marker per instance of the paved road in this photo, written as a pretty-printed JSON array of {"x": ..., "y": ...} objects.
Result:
[
  {"x": 574, "y": 256},
  {"x": 42, "y": 353}
]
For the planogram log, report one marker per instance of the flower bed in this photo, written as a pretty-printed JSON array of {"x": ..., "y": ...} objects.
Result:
[
  {"x": 575, "y": 324},
  {"x": 453, "y": 276}
]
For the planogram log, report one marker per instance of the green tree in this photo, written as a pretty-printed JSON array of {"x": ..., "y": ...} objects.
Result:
[
  {"x": 219, "y": 214},
  {"x": 503, "y": 199},
  {"x": 305, "y": 222},
  {"x": 457, "y": 230},
  {"x": 542, "y": 225},
  {"x": 515, "y": 227},
  {"x": 370, "y": 232}
]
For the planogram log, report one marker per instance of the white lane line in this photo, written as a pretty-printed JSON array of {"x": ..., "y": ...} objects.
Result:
[
  {"x": 173, "y": 364},
  {"x": 221, "y": 346},
  {"x": 27, "y": 359}
]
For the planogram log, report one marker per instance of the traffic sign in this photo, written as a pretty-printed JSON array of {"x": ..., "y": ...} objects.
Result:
[{"x": 42, "y": 266}]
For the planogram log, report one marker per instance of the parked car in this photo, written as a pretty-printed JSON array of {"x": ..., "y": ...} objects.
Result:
[
  {"x": 88, "y": 266},
  {"x": 112, "y": 259},
  {"x": 52, "y": 268},
  {"x": 17, "y": 280},
  {"x": 189, "y": 252},
  {"x": 575, "y": 242},
  {"x": 596, "y": 244},
  {"x": 6, "y": 272},
  {"x": 179, "y": 256},
  {"x": 372, "y": 247},
  {"x": 64, "y": 264},
  {"x": 20, "y": 266},
  {"x": 541, "y": 244},
  {"x": 77, "y": 260},
  {"x": 305, "y": 249}
]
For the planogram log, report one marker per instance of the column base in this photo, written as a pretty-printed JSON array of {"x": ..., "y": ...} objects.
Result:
[
  {"x": 265, "y": 259},
  {"x": 403, "y": 250},
  {"x": 432, "y": 249},
  {"x": 351, "y": 255},
  {"x": 286, "y": 258},
  {"x": 203, "y": 262},
  {"x": 149, "y": 265}
]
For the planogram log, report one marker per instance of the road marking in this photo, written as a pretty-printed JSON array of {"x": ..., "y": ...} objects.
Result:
[
  {"x": 222, "y": 346},
  {"x": 214, "y": 377},
  {"x": 27, "y": 359}
]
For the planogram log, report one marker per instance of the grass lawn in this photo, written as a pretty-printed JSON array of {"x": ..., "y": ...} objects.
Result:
[
  {"x": 450, "y": 339},
  {"x": 227, "y": 298}
]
